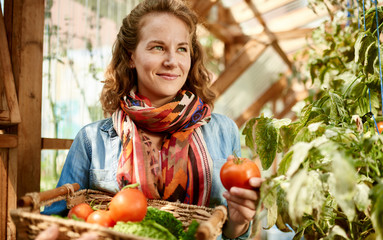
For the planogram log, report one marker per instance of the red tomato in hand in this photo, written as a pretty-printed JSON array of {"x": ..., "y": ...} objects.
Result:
[
  {"x": 236, "y": 172},
  {"x": 102, "y": 218},
  {"x": 82, "y": 211},
  {"x": 128, "y": 205}
]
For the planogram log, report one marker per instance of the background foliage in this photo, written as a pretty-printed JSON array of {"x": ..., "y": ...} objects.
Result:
[{"x": 329, "y": 181}]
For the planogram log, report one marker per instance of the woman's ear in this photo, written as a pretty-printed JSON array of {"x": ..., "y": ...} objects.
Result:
[{"x": 131, "y": 64}]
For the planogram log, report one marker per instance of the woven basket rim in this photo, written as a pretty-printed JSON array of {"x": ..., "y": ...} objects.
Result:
[
  {"x": 72, "y": 223},
  {"x": 26, "y": 217}
]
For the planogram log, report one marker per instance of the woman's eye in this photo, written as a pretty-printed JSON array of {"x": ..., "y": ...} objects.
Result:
[
  {"x": 158, "y": 48},
  {"x": 182, "y": 49}
]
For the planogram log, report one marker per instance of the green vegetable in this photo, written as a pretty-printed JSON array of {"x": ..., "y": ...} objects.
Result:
[
  {"x": 158, "y": 224},
  {"x": 190, "y": 233},
  {"x": 165, "y": 219},
  {"x": 145, "y": 228}
]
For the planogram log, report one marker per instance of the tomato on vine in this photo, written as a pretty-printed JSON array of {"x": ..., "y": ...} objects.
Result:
[
  {"x": 380, "y": 127},
  {"x": 236, "y": 172}
]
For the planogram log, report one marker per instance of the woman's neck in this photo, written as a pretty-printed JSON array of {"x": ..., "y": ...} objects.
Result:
[{"x": 155, "y": 138}]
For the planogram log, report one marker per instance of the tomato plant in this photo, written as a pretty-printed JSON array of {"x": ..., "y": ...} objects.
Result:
[
  {"x": 130, "y": 204},
  {"x": 323, "y": 154},
  {"x": 81, "y": 211},
  {"x": 236, "y": 172},
  {"x": 102, "y": 218}
]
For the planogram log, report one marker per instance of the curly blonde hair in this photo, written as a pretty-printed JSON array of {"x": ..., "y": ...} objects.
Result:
[{"x": 120, "y": 78}]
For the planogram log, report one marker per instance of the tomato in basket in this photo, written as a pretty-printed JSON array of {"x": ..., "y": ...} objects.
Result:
[
  {"x": 236, "y": 172},
  {"x": 80, "y": 211},
  {"x": 130, "y": 204},
  {"x": 102, "y": 218}
]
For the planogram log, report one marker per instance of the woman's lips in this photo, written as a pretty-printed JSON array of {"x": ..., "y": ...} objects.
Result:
[{"x": 168, "y": 76}]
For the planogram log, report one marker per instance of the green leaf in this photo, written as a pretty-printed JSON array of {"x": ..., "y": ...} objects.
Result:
[
  {"x": 376, "y": 64},
  {"x": 284, "y": 164},
  {"x": 278, "y": 123},
  {"x": 322, "y": 72},
  {"x": 363, "y": 40},
  {"x": 361, "y": 197},
  {"x": 288, "y": 134},
  {"x": 337, "y": 107},
  {"x": 369, "y": 59},
  {"x": 357, "y": 89},
  {"x": 304, "y": 194},
  {"x": 269, "y": 200},
  {"x": 248, "y": 132},
  {"x": 300, "y": 153},
  {"x": 370, "y": 17},
  {"x": 344, "y": 177},
  {"x": 266, "y": 140},
  {"x": 377, "y": 209},
  {"x": 272, "y": 215},
  {"x": 336, "y": 231}
]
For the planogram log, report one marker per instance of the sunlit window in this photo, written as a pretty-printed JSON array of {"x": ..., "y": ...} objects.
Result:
[{"x": 78, "y": 39}]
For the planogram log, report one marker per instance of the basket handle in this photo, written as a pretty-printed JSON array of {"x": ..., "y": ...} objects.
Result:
[
  {"x": 28, "y": 200},
  {"x": 217, "y": 218}
]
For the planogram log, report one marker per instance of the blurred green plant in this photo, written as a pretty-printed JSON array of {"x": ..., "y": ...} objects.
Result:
[{"x": 329, "y": 180}]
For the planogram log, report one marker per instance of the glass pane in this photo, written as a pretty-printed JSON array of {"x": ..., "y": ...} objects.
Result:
[
  {"x": 251, "y": 84},
  {"x": 78, "y": 39},
  {"x": 51, "y": 164}
]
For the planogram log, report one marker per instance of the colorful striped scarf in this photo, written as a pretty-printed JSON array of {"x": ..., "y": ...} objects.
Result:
[{"x": 181, "y": 170}]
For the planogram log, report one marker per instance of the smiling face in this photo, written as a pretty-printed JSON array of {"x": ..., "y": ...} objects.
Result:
[{"x": 162, "y": 57}]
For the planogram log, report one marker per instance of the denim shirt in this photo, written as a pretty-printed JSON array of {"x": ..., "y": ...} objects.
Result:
[{"x": 93, "y": 158}]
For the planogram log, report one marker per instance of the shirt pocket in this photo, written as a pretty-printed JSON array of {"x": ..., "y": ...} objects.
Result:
[{"x": 104, "y": 180}]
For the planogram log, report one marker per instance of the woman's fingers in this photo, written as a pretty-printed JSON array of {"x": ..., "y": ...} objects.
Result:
[
  {"x": 256, "y": 182},
  {"x": 245, "y": 197},
  {"x": 246, "y": 213},
  {"x": 51, "y": 233}
]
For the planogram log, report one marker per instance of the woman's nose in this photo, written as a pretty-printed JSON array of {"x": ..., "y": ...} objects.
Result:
[{"x": 170, "y": 60}]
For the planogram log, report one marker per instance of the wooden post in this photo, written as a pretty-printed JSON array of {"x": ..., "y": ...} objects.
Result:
[
  {"x": 3, "y": 194},
  {"x": 21, "y": 156},
  {"x": 27, "y": 57}
]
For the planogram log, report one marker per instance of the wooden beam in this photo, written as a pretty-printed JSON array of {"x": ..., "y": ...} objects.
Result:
[
  {"x": 12, "y": 189},
  {"x": 27, "y": 58},
  {"x": 224, "y": 26},
  {"x": 202, "y": 7},
  {"x": 6, "y": 76},
  {"x": 256, "y": 107},
  {"x": 296, "y": 97},
  {"x": 267, "y": 6},
  {"x": 219, "y": 31},
  {"x": 248, "y": 55},
  {"x": 296, "y": 19},
  {"x": 294, "y": 33},
  {"x": 3, "y": 193},
  {"x": 4, "y": 117},
  {"x": 8, "y": 140},
  {"x": 55, "y": 143},
  {"x": 273, "y": 38}
]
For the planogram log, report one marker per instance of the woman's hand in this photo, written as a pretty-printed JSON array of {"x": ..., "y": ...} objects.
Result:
[
  {"x": 242, "y": 205},
  {"x": 52, "y": 233}
]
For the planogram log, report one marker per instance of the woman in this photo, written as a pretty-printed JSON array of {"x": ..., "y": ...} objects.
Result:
[{"x": 161, "y": 132}]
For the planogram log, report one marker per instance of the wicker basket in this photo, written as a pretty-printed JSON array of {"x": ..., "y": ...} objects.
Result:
[{"x": 29, "y": 222}]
